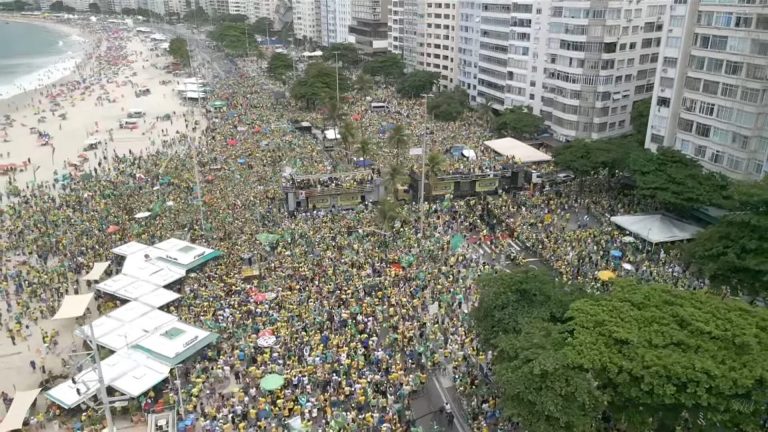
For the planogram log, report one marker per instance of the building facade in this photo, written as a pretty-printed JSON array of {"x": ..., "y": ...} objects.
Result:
[
  {"x": 335, "y": 18},
  {"x": 306, "y": 20},
  {"x": 369, "y": 27},
  {"x": 579, "y": 64},
  {"x": 711, "y": 101},
  {"x": 424, "y": 33}
]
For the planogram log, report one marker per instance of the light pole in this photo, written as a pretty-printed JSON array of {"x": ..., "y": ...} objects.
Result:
[
  {"x": 336, "y": 54},
  {"x": 178, "y": 386},
  {"x": 423, "y": 164}
]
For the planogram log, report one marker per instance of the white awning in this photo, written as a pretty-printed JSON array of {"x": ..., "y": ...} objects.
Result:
[
  {"x": 73, "y": 306},
  {"x": 521, "y": 151},
  {"x": 98, "y": 269},
  {"x": 656, "y": 228},
  {"x": 129, "y": 248},
  {"x": 16, "y": 414}
]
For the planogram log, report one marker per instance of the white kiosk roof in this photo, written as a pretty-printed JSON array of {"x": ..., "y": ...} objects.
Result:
[
  {"x": 521, "y": 151},
  {"x": 129, "y": 248}
]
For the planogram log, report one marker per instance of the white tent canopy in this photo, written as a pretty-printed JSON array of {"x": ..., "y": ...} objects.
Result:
[
  {"x": 656, "y": 228},
  {"x": 14, "y": 418},
  {"x": 521, "y": 151},
  {"x": 98, "y": 269},
  {"x": 73, "y": 306}
]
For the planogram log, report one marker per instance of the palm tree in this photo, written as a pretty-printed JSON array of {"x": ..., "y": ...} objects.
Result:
[
  {"x": 486, "y": 114},
  {"x": 333, "y": 110},
  {"x": 434, "y": 163},
  {"x": 260, "y": 56},
  {"x": 395, "y": 176},
  {"x": 398, "y": 139},
  {"x": 387, "y": 213},
  {"x": 348, "y": 136},
  {"x": 364, "y": 148},
  {"x": 363, "y": 83}
]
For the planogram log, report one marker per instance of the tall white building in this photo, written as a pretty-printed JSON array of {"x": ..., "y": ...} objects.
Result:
[
  {"x": 306, "y": 20},
  {"x": 335, "y": 18},
  {"x": 711, "y": 100},
  {"x": 424, "y": 33},
  {"x": 579, "y": 64},
  {"x": 369, "y": 27}
]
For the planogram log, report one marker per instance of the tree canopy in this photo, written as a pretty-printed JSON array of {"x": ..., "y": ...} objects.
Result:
[
  {"x": 733, "y": 253},
  {"x": 59, "y": 6},
  {"x": 518, "y": 123},
  {"x": 236, "y": 39},
  {"x": 232, "y": 18},
  {"x": 589, "y": 157},
  {"x": 179, "y": 50},
  {"x": 675, "y": 181},
  {"x": 643, "y": 357},
  {"x": 318, "y": 84},
  {"x": 279, "y": 66},
  {"x": 388, "y": 66},
  {"x": 638, "y": 118},
  {"x": 417, "y": 83},
  {"x": 94, "y": 8},
  {"x": 448, "y": 106},
  {"x": 348, "y": 54},
  {"x": 15, "y": 6},
  {"x": 262, "y": 26},
  {"x": 196, "y": 15}
]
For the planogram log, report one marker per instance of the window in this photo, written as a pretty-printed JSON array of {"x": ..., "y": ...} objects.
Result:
[
  {"x": 685, "y": 146},
  {"x": 707, "y": 109},
  {"x": 761, "y": 145},
  {"x": 756, "y": 166},
  {"x": 685, "y": 125},
  {"x": 740, "y": 141},
  {"x": 673, "y": 42},
  {"x": 750, "y": 95},
  {"x": 714, "y": 65},
  {"x": 743, "y": 21},
  {"x": 689, "y": 104},
  {"x": 669, "y": 62},
  {"x": 717, "y": 157},
  {"x": 724, "y": 113},
  {"x": 700, "y": 151},
  {"x": 734, "y": 68},
  {"x": 644, "y": 58},
  {"x": 676, "y": 21},
  {"x": 693, "y": 84},
  {"x": 744, "y": 118},
  {"x": 734, "y": 163},
  {"x": 729, "y": 91},
  {"x": 697, "y": 62},
  {"x": 703, "y": 130},
  {"x": 723, "y": 19},
  {"x": 710, "y": 87}
]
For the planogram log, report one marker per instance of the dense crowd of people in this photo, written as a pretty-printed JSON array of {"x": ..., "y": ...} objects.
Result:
[{"x": 364, "y": 311}]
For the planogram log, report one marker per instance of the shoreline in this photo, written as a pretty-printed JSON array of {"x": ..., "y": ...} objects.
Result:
[{"x": 72, "y": 60}]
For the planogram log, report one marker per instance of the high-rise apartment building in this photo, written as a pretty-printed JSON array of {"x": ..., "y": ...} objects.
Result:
[
  {"x": 424, "y": 33},
  {"x": 335, "y": 18},
  {"x": 711, "y": 101},
  {"x": 579, "y": 64},
  {"x": 306, "y": 20},
  {"x": 368, "y": 29}
]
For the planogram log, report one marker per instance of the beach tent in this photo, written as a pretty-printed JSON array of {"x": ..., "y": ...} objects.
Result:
[
  {"x": 98, "y": 269},
  {"x": 656, "y": 228},
  {"x": 16, "y": 414},
  {"x": 519, "y": 150}
]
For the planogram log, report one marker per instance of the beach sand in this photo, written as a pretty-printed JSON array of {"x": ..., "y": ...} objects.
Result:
[{"x": 88, "y": 115}]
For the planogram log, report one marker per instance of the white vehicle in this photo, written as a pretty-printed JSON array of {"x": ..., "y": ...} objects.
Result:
[
  {"x": 378, "y": 107},
  {"x": 136, "y": 113},
  {"x": 129, "y": 123}
]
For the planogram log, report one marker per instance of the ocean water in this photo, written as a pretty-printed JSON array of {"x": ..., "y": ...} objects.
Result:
[{"x": 32, "y": 55}]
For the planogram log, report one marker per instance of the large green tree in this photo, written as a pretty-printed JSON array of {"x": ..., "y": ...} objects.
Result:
[
  {"x": 347, "y": 53},
  {"x": 15, "y": 6},
  {"x": 179, "y": 50},
  {"x": 389, "y": 67},
  {"x": 398, "y": 140},
  {"x": 674, "y": 181},
  {"x": 589, "y": 157},
  {"x": 448, "y": 106},
  {"x": 641, "y": 111},
  {"x": 235, "y": 38},
  {"x": 661, "y": 354},
  {"x": 518, "y": 123},
  {"x": 196, "y": 16},
  {"x": 318, "y": 84},
  {"x": 262, "y": 27},
  {"x": 279, "y": 66},
  {"x": 417, "y": 83},
  {"x": 733, "y": 253}
]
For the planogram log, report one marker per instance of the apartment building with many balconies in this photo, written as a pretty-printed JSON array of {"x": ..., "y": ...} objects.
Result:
[
  {"x": 424, "y": 33},
  {"x": 306, "y": 20},
  {"x": 711, "y": 101},
  {"x": 581, "y": 65},
  {"x": 335, "y": 18},
  {"x": 369, "y": 27}
]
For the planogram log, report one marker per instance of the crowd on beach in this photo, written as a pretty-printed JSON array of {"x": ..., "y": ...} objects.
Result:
[{"x": 364, "y": 311}]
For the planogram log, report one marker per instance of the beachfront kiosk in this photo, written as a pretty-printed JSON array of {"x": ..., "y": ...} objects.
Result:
[{"x": 145, "y": 342}]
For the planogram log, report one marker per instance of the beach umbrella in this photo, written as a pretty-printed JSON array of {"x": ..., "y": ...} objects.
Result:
[
  {"x": 113, "y": 229},
  {"x": 231, "y": 142},
  {"x": 142, "y": 215},
  {"x": 606, "y": 275},
  {"x": 616, "y": 254},
  {"x": 456, "y": 242},
  {"x": 266, "y": 341},
  {"x": 271, "y": 382},
  {"x": 266, "y": 332},
  {"x": 218, "y": 104},
  {"x": 267, "y": 239},
  {"x": 628, "y": 266}
]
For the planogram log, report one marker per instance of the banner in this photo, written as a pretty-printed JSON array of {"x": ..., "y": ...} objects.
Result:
[
  {"x": 442, "y": 188},
  {"x": 485, "y": 185},
  {"x": 349, "y": 199},
  {"x": 319, "y": 202}
]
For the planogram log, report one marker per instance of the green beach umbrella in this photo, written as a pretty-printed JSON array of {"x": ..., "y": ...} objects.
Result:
[
  {"x": 456, "y": 242},
  {"x": 271, "y": 382},
  {"x": 218, "y": 104},
  {"x": 267, "y": 239}
]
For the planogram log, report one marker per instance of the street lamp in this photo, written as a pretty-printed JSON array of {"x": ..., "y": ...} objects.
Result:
[
  {"x": 336, "y": 54},
  {"x": 423, "y": 163}
]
